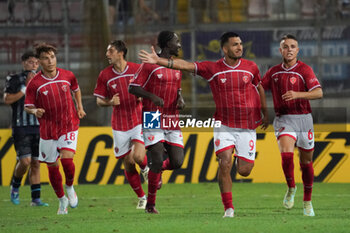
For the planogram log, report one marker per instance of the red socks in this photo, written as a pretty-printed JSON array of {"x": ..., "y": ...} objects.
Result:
[
  {"x": 288, "y": 168},
  {"x": 227, "y": 200},
  {"x": 144, "y": 163},
  {"x": 153, "y": 180},
  {"x": 166, "y": 165},
  {"x": 69, "y": 170},
  {"x": 308, "y": 179},
  {"x": 56, "y": 180},
  {"x": 135, "y": 182}
]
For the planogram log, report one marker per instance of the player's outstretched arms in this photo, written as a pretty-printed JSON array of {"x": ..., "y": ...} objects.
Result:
[
  {"x": 38, "y": 112},
  {"x": 140, "y": 92},
  {"x": 177, "y": 64}
]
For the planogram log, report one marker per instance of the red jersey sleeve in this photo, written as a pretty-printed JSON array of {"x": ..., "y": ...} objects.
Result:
[
  {"x": 73, "y": 82},
  {"x": 311, "y": 80},
  {"x": 266, "y": 80},
  {"x": 101, "y": 87},
  {"x": 205, "y": 69},
  {"x": 30, "y": 96},
  {"x": 257, "y": 79},
  {"x": 142, "y": 75}
]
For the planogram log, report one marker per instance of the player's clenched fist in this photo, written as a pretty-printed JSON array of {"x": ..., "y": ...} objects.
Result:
[{"x": 39, "y": 112}]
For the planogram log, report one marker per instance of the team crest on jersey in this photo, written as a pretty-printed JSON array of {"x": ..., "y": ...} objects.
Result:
[
  {"x": 151, "y": 138},
  {"x": 217, "y": 142},
  {"x": 177, "y": 75},
  {"x": 43, "y": 155},
  {"x": 65, "y": 88},
  {"x": 223, "y": 80},
  {"x": 159, "y": 76},
  {"x": 45, "y": 92},
  {"x": 116, "y": 150},
  {"x": 293, "y": 80},
  {"x": 245, "y": 79},
  {"x": 275, "y": 79},
  {"x": 114, "y": 86}
]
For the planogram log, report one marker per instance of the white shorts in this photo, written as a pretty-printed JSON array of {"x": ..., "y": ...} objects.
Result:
[
  {"x": 123, "y": 139},
  {"x": 243, "y": 140},
  {"x": 298, "y": 127},
  {"x": 171, "y": 137},
  {"x": 49, "y": 149}
]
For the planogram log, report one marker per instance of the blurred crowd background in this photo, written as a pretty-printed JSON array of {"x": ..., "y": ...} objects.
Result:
[{"x": 82, "y": 29}]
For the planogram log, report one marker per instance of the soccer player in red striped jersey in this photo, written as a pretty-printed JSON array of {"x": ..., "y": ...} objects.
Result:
[
  {"x": 49, "y": 98},
  {"x": 239, "y": 99},
  {"x": 293, "y": 84},
  {"x": 160, "y": 89},
  {"x": 112, "y": 90}
]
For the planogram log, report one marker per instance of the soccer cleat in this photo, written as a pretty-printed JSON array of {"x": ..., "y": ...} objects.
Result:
[
  {"x": 141, "y": 205},
  {"x": 62, "y": 208},
  {"x": 14, "y": 197},
  {"x": 72, "y": 196},
  {"x": 38, "y": 202},
  {"x": 160, "y": 183},
  {"x": 288, "y": 200},
  {"x": 308, "y": 209},
  {"x": 144, "y": 173},
  {"x": 229, "y": 213},
  {"x": 151, "y": 209}
]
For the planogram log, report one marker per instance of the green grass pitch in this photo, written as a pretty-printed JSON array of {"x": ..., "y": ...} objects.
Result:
[{"x": 183, "y": 208}]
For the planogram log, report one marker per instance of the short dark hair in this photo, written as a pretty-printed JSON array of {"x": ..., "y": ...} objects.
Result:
[
  {"x": 164, "y": 37},
  {"x": 28, "y": 54},
  {"x": 44, "y": 48},
  {"x": 288, "y": 36},
  {"x": 120, "y": 46},
  {"x": 226, "y": 36}
]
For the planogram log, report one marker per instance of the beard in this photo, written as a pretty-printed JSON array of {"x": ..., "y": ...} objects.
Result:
[{"x": 234, "y": 57}]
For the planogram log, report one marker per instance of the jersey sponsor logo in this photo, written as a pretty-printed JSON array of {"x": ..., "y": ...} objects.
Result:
[
  {"x": 114, "y": 86},
  {"x": 217, "y": 142},
  {"x": 45, "y": 92},
  {"x": 151, "y": 120},
  {"x": 293, "y": 80},
  {"x": 65, "y": 88},
  {"x": 245, "y": 79},
  {"x": 151, "y": 138},
  {"x": 159, "y": 76},
  {"x": 223, "y": 80}
]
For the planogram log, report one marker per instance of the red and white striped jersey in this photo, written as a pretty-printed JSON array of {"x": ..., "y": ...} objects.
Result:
[
  {"x": 279, "y": 80},
  {"x": 234, "y": 91},
  {"x": 129, "y": 113},
  {"x": 162, "y": 82},
  {"x": 54, "y": 96}
]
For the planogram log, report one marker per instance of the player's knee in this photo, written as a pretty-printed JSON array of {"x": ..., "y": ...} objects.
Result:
[
  {"x": 176, "y": 164},
  {"x": 35, "y": 164},
  {"x": 244, "y": 171},
  {"x": 25, "y": 161},
  {"x": 225, "y": 166}
]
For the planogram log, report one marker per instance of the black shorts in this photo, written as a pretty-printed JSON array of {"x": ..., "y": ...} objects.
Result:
[{"x": 27, "y": 145}]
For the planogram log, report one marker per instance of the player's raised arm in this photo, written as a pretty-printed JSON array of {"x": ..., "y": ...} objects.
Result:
[{"x": 177, "y": 64}]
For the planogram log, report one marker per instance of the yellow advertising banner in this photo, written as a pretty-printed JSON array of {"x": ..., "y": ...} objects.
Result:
[{"x": 95, "y": 162}]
